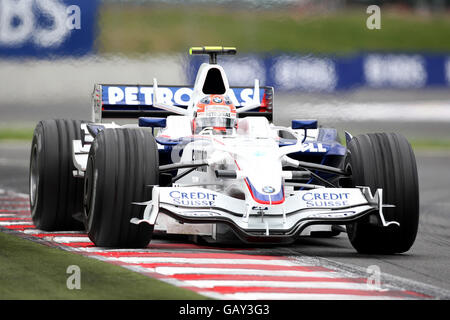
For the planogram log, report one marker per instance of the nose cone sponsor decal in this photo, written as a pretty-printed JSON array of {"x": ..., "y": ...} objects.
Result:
[
  {"x": 326, "y": 199},
  {"x": 268, "y": 189},
  {"x": 193, "y": 199}
]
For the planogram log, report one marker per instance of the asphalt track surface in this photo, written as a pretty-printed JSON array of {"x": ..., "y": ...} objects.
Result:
[{"x": 424, "y": 269}]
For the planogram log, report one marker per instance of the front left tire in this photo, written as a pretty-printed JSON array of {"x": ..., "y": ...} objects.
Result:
[{"x": 386, "y": 161}]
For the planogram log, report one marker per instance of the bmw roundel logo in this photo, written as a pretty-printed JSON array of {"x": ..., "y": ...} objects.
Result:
[
  {"x": 269, "y": 189},
  {"x": 217, "y": 100}
]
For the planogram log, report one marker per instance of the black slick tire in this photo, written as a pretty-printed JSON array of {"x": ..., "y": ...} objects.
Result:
[
  {"x": 122, "y": 166},
  {"x": 387, "y": 161},
  {"x": 55, "y": 194}
]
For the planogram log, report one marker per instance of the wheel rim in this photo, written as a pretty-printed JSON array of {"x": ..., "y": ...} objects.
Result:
[{"x": 34, "y": 177}]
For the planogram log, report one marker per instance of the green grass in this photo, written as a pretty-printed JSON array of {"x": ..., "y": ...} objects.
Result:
[
  {"x": 29, "y": 270},
  {"x": 16, "y": 134},
  {"x": 427, "y": 144},
  {"x": 165, "y": 29}
]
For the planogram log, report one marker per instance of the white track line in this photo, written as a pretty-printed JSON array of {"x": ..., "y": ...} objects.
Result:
[
  {"x": 10, "y": 195},
  {"x": 71, "y": 239},
  {"x": 237, "y": 271},
  {"x": 37, "y": 231},
  {"x": 15, "y": 223},
  {"x": 11, "y": 215},
  {"x": 140, "y": 260},
  {"x": 277, "y": 284}
]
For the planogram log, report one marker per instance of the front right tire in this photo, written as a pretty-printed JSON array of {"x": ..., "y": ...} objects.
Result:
[{"x": 55, "y": 194}]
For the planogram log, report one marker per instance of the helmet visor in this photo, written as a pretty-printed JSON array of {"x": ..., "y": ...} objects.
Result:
[
  {"x": 222, "y": 122},
  {"x": 216, "y": 116}
]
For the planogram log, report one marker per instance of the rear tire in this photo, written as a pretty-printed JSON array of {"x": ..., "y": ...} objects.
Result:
[
  {"x": 122, "y": 166},
  {"x": 387, "y": 161},
  {"x": 55, "y": 194}
]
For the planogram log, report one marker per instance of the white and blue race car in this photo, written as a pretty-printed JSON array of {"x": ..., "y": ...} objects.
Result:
[{"x": 207, "y": 161}]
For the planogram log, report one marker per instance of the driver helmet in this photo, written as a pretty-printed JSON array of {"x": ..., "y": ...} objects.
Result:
[{"x": 216, "y": 112}]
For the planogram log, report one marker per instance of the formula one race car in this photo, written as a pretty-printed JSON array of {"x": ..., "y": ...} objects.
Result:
[{"x": 207, "y": 161}]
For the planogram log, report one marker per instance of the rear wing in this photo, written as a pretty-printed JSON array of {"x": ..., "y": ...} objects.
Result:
[{"x": 134, "y": 101}]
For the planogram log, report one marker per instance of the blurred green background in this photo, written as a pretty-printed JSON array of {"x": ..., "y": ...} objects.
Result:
[{"x": 320, "y": 26}]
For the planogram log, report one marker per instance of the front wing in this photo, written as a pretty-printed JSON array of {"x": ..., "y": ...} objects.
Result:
[{"x": 254, "y": 222}]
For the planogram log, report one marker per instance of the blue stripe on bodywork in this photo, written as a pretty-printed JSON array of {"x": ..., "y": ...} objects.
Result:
[{"x": 263, "y": 197}]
